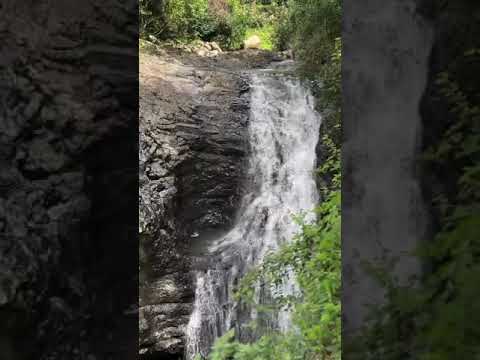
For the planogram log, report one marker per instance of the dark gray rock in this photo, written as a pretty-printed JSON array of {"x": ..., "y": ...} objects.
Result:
[{"x": 193, "y": 146}]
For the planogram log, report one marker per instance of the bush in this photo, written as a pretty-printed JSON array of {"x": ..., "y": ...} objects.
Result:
[
  {"x": 310, "y": 28},
  {"x": 152, "y": 19},
  {"x": 184, "y": 19},
  {"x": 282, "y": 30},
  {"x": 225, "y": 21},
  {"x": 191, "y": 19},
  {"x": 238, "y": 22}
]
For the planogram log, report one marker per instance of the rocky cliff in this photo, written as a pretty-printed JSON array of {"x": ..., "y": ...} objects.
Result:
[{"x": 193, "y": 147}]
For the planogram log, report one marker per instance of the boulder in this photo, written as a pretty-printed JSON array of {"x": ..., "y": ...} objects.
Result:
[{"x": 253, "y": 42}]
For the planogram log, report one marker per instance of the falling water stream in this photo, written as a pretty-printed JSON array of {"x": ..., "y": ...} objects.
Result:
[{"x": 283, "y": 133}]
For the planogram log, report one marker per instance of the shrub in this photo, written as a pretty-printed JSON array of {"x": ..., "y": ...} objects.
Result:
[
  {"x": 185, "y": 19},
  {"x": 225, "y": 21},
  {"x": 152, "y": 18},
  {"x": 238, "y": 23},
  {"x": 310, "y": 28},
  {"x": 282, "y": 30},
  {"x": 191, "y": 19}
]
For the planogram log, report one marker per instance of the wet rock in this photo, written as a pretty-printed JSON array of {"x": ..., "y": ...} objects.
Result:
[{"x": 193, "y": 147}]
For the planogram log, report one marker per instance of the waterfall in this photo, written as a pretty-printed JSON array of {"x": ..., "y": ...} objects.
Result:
[{"x": 283, "y": 132}]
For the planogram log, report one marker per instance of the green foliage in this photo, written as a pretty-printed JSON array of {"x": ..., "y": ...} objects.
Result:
[
  {"x": 225, "y": 21},
  {"x": 229, "y": 22},
  {"x": 152, "y": 19},
  {"x": 186, "y": 19},
  {"x": 329, "y": 94},
  {"x": 271, "y": 347},
  {"x": 191, "y": 18},
  {"x": 318, "y": 273},
  {"x": 238, "y": 22},
  {"x": 282, "y": 30},
  {"x": 310, "y": 28},
  {"x": 314, "y": 257}
]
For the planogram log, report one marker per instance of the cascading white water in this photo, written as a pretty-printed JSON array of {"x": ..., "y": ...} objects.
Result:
[{"x": 283, "y": 133}]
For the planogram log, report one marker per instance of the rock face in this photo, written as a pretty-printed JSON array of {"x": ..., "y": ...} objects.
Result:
[{"x": 192, "y": 152}]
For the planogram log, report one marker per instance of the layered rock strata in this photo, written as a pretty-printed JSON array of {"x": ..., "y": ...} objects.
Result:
[{"x": 193, "y": 147}]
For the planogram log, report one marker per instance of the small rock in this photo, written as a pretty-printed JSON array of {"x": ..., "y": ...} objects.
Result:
[
  {"x": 201, "y": 52},
  {"x": 152, "y": 38},
  {"x": 287, "y": 54},
  {"x": 215, "y": 46}
]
